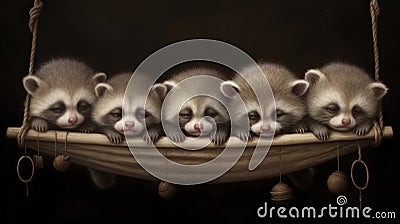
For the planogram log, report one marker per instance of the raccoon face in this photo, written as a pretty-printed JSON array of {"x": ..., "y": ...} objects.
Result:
[
  {"x": 60, "y": 107},
  {"x": 136, "y": 117},
  {"x": 345, "y": 115},
  {"x": 132, "y": 122},
  {"x": 201, "y": 115},
  {"x": 288, "y": 110},
  {"x": 342, "y": 108},
  {"x": 67, "y": 116}
]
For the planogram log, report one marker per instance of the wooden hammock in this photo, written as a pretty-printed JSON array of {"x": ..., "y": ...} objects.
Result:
[
  {"x": 294, "y": 151},
  {"x": 297, "y": 152}
]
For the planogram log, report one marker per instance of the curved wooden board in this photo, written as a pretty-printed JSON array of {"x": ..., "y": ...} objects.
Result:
[{"x": 294, "y": 151}]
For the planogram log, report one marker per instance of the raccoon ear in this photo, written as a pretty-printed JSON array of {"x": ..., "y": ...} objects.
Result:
[
  {"x": 379, "y": 89},
  {"x": 313, "y": 76},
  {"x": 101, "y": 88},
  {"x": 31, "y": 84},
  {"x": 100, "y": 77},
  {"x": 160, "y": 89},
  {"x": 229, "y": 88},
  {"x": 169, "y": 85},
  {"x": 299, "y": 87}
]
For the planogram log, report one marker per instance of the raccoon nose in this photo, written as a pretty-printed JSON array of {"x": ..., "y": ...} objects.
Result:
[
  {"x": 265, "y": 128},
  {"x": 72, "y": 120},
  {"x": 129, "y": 124},
  {"x": 346, "y": 121},
  {"x": 198, "y": 127}
]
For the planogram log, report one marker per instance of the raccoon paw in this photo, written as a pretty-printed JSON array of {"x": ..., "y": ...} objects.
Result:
[
  {"x": 321, "y": 133},
  {"x": 39, "y": 125},
  {"x": 242, "y": 135},
  {"x": 87, "y": 129},
  {"x": 177, "y": 137},
  {"x": 151, "y": 136},
  {"x": 301, "y": 129},
  {"x": 362, "y": 129},
  {"x": 114, "y": 137},
  {"x": 219, "y": 138}
]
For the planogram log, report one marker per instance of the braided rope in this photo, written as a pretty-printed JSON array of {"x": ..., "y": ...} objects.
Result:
[
  {"x": 34, "y": 14},
  {"x": 378, "y": 123}
]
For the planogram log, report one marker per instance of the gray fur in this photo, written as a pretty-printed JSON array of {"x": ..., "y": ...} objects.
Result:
[
  {"x": 198, "y": 104},
  {"x": 68, "y": 76},
  {"x": 280, "y": 80},
  {"x": 350, "y": 84}
]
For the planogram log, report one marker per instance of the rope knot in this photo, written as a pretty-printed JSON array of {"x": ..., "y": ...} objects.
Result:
[
  {"x": 34, "y": 14},
  {"x": 375, "y": 7}
]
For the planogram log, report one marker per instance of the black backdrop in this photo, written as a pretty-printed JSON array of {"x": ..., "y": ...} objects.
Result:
[{"x": 117, "y": 35}]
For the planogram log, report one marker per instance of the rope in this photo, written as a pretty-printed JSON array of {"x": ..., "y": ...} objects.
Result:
[
  {"x": 34, "y": 14},
  {"x": 360, "y": 188},
  {"x": 375, "y": 11}
]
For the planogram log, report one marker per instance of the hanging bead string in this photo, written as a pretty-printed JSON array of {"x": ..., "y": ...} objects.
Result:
[
  {"x": 280, "y": 164},
  {"x": 55, "y": 144},
  {"x": 37, "y": 144},
  {"x": 65, "y": 144},
  {"x": 26, "y": 181},
  {"x": 360, "y": 189},
  {"x": 375, "y": 11},
  {"x": 338, "y": 156},
  {"x": 34, "y": 14}
]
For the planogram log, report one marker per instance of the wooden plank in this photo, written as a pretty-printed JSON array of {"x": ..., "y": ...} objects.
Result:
[{"x": 281, "y": 140}]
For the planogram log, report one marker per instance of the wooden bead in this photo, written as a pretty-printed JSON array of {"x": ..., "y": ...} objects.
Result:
[
  {"x": 166, "y": 190},
  {"x": 337, "y": 182},
  {"x": 281, "y": 192},
  {"x": 38, "y": 161},
  {"x": 62, "y": 163}
]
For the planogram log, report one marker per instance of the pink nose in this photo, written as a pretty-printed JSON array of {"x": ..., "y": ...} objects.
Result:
[
  {"x": 265, "y": 128},
  {"x": 198, "y": 127},
  {"x": 346, "y": 121},
  {"x": 72, "y": 120},
  {"x": 129, "y": 124}
]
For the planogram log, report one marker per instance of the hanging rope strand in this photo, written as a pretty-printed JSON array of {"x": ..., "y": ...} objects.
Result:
[
  {"x": 34, "y": 14},
  {"x": 375, "y": 11}
]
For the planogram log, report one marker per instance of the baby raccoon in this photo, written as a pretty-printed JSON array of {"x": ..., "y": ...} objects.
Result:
[
  {"x": 62, "y": 95},
  {"x": 199, "y": 114},
  {"x": 342, "y": 97},
  {"x": 109, "y": 109},
  {"x": 288, "y": 92}
]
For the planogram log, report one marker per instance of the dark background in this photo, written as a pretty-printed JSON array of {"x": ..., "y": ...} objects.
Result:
[{"x": 117, "y": 35}]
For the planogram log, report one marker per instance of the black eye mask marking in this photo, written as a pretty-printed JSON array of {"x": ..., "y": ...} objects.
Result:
[
  {"x": 332, "y": 108},
  {"x": 58, "y": 108},
  {"x": 83, "y": 107},
  {"x": 210, "y": 112}
]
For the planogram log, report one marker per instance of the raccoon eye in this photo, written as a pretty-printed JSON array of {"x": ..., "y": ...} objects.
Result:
[
  {"x": 140, "y": 114},
  {"x": 58, "y": 108},
  {"x": 254, "y": 116},
  {"x": 211, "y": 113},
  {"x": 332, "y": 109},
  {"x": 83, "y": 106},
  {"x": 116, "y": 113},
  {"x": 356, "y": 111},
  {"x": 279, "y": 113},
  {"x": 186, "y": 114}
]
